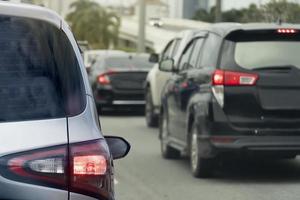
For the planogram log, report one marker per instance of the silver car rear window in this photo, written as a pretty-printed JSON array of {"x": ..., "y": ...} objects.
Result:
[{"x": 39, "y": 72}]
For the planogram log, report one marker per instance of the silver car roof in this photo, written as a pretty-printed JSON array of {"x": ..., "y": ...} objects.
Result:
[{"x": 30, "y": 11}]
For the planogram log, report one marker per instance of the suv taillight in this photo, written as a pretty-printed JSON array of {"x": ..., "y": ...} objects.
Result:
[
  {"x": 86, "y": 170},
  {"x": 230, "y": 78},
  {"x": 221, "y": 78}
]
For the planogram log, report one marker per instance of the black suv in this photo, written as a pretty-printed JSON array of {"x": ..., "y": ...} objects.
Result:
[{"x": 235, "y": 91}]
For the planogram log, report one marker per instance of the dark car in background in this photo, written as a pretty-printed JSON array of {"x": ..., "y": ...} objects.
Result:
[
  {"x": 118, "y": 80},
  {"x": 235, "y": 91}
]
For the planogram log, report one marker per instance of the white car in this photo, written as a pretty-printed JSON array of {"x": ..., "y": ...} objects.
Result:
[
  {"x": 156, "y": 79},
  {"x": 157, "y": 22}
]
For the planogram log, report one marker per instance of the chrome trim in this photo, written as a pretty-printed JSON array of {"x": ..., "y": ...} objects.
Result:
[{"x": 128, "y": 102}]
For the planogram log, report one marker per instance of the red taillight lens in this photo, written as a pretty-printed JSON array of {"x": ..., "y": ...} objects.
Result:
[
  {"x": 89, "y": 165},
  {"x": 86, "y": 170},
  {"x": 90, "y": 169},
  {"x": 46, "y": 167},
  {"x": 103, "y": 79},
  {"x": 287, "y": 31},
  {"x": 218, "y": 77},
  {"x": 230, "y": 78}
]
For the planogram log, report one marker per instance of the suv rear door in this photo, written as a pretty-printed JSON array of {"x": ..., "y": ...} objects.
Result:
[
  {"x": 40, "y": 86},
  {"x": 271, "y": 102}
]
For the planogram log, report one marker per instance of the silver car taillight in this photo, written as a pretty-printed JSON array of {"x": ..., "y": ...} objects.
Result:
[{"x": 80, "y": 168}]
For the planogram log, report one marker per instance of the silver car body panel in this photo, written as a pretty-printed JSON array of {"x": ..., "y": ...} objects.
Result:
[
  {"x": 85, "y": 126},
  {"x": 29, "y": 135}
]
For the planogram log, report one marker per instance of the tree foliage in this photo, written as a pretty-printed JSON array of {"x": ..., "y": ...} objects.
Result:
[
  {"x": 272, "y": 11},
  {"x": 91, "y": 22}
]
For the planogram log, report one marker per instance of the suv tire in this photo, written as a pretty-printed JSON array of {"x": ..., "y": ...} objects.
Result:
[
  {"x": 151, "y": 118},
  {"x": 167, "y": 151},
  {"x": 200, "y": 167}
]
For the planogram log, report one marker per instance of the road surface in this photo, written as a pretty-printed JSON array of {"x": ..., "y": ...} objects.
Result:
[{"x": 144, "y": 175}]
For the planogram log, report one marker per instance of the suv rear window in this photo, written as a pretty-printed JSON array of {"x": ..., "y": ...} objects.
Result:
[
  {"x": 262, "y": 49},
  {"x": 251, "y": 55},
  {"x": 39, "y": 73}
]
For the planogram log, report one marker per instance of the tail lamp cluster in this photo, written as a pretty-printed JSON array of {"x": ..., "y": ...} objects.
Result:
[
  {"x": 81, "y": 168},
  {"x": 103, "y": 79},
  {"x": 221, "y": 78}
]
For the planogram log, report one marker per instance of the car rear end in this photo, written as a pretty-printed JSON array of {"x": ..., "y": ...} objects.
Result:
[
  {"x": 122, "y": 81},
  {"x": 256, "y": 92},
  {"x": 44, "y": 153}
]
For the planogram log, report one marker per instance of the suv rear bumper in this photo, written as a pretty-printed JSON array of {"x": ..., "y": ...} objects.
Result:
[{"x": 241, "y": 145}]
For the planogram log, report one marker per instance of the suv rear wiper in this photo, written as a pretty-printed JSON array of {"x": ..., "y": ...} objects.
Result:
[{"x": 274, "y": 67}]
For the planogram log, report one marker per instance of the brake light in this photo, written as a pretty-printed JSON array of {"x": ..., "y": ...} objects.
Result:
[
  {"x": 221, "y": 78},
  {"x": 86, "y": 170},
  {"x": 218, "y": 77},
  {"x": 103, "y": 79},
  {"x": 286, "y": 30},
  {"x": 230, "y": 78},
  {"x": 90, "y": 164}
]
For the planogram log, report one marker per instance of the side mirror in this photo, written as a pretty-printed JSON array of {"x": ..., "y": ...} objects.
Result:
[
  {"x": 166, "y": 65},
  {"x": 118, "y": 146},
  {"x": 154, "y": 58}
]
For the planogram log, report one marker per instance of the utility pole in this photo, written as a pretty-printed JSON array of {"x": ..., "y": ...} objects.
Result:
[
  {"x": 60, "y": 7},
  {"x": 218, "y": 10},
  {"x": 142, "y": 26}
]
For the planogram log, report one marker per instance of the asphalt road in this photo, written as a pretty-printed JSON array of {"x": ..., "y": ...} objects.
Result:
[{"x": 144, "y": 175}]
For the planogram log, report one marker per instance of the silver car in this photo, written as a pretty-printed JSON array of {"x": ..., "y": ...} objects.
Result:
[{"x": 51, "y": 145}]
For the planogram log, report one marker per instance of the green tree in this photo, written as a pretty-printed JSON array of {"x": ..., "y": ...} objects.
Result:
[
  {"x": 281, "y": 9},
  {"x": 252, "y": 14},
  {"x": 272, "y": 11},
  {"x": 203, "y": 15},
  {"x": 91, "y": 22}
]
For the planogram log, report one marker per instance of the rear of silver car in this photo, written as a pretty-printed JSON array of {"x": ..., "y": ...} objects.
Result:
[{"x": 51, "y": 146}]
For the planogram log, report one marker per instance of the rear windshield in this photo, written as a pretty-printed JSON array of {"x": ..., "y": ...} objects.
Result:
[
  {"x": 39, "y": 73},
  {"x": 128, "y": 62},
  {"x": 261, "y": 50},
  {"x": 253, "y": 55}
]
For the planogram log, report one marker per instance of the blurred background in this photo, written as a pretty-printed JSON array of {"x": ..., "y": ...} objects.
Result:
[
  {"x": 114, "y": 24},
  {"x": 112, "y": 31}
]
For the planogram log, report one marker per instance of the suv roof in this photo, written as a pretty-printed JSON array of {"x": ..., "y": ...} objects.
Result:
[
  {"x": 223, "y": 29},
  {"x": 30, "y": 11}
]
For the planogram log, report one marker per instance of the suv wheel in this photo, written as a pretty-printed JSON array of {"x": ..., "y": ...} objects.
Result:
[
  {"x": 151, "y": 118},
  {"x": 200, "y": 167},
  {"x": 166, "y": 151}
]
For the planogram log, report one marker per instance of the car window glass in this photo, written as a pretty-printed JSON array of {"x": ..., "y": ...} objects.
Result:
[
  {"x": 185, "y": 58},
  {"x": 176, "y": 47},
  {"x": 210, "y": 51},
  {"x": 196, "y": 52},
  {"x": 40, "y": 76},
  {"x": 252, "y": 55},
  {"x": 168, "y": 50}
]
